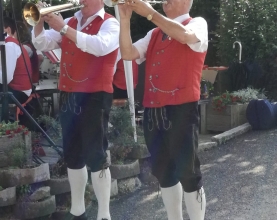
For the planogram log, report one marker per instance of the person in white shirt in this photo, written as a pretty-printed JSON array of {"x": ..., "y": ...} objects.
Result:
[
  {"x": 89, "y": 43},
  {"x": 175, "y": 52},
  {"x": 17, "y": 73}
]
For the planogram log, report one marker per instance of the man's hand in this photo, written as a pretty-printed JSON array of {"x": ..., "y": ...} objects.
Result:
[
  {"x": 142, "y": 8},
  {"x": 125, "y": 11},
  {"x": 54, "y": 21}
]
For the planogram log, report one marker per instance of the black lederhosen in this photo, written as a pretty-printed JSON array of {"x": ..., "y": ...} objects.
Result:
[
  {"x": 171, "y": 135},
  {"x": 84, "y": 120}
]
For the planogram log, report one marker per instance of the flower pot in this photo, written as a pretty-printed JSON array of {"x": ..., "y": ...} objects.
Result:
[
  {"x": 58, "y": 185},
  {"x": 18, "y": 177},
  {"x": 8, "y": 197},
  {"x": 30, "y": 210},
  {"x": 139, "y": 152},
  {"x": 121, "y": 171},
  {"x": 231, "y": 117},
  {"x": 7, "y": 144}
]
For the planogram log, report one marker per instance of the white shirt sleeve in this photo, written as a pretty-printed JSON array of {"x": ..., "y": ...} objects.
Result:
[
  {"x": 29, "y": 50},
  {"x": 12, "y": 53},
  {"x": 142, "y": 46},
  {"x": 199, "y": 26},
  {"x": 104, "y": 42}
]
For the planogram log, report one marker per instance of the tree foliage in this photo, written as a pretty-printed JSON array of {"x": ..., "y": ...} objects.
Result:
[{"x": 252, "y": 23}]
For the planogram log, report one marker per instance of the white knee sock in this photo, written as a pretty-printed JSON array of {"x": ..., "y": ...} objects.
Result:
[
  {"x": 78, "y": 180},
  {"x": 196, "y": 204},
  {"x": 172, "y": 198},
  {"x": 101, "y": 182}
]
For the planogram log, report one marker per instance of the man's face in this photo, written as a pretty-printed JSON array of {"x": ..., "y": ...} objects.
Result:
[
  {"x": 175, "y": 8},
  {"x": 91, "y": 6}
]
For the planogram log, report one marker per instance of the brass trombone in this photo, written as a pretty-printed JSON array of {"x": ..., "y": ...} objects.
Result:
[{"x": 32, "y": 14}]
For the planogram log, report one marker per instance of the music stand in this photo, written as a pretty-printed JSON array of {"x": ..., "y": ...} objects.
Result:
[{"x": 6, "y": 95}]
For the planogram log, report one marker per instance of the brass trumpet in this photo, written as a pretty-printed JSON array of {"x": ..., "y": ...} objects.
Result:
[
  {"x": 112, "y": 3},
  {"x": 32, "y": 14}
]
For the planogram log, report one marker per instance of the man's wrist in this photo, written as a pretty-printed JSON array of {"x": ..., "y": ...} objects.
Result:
[
  {"x": 64, "y": 29},
  {"x": 150, "y": 15}
]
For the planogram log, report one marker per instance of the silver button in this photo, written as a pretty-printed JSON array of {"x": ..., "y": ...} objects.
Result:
[
  {"x": 72, "y": 53},
  {"x": 158, "y": 53},
  {"x": 169, "y": 38},
  {"x": 154, "y": 64},
  {"x": 150, "y": 77},
  {"x": 157, "y": 76},
  {"x": 70, "y": 64},
  {"x": 159, "y": 63},
  {"x": 66, "y": 52},
  {"x": 150, "y": 90},
  {"x": 69, "y": 42},
  {"x": 152, "y": 103},
  {"x": 90, "y": 24},
  {"x": 86, "y": 28},
  {"x": 63, "y": 74},
  {"x": 63, "y": 86},
  {"x": 162, "y": 51}
]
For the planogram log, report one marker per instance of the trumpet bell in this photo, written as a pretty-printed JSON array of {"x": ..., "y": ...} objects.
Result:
[{"x": 31, "y": 14}]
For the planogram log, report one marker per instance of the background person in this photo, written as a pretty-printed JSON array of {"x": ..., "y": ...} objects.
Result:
[
  {"x": 89, "y": 44},
  {"x": 174, "y": 53},
  {"x": 17, "y": 74}
]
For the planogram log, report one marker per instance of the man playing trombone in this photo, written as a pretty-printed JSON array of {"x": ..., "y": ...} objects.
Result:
[
  {"x": 174, "y": 53},
  {"x": 89, "y": 44}
]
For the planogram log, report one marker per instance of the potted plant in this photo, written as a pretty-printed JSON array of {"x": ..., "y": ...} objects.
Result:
[
  {"x": 121, "y": 137},
  {"x": 228, "y": 110}
]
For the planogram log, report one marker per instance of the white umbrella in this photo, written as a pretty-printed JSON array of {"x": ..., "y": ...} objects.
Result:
[{"x": 130, "y": 84}]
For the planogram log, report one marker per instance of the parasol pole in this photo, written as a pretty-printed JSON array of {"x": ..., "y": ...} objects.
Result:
[{"x": 130, "y": 83}]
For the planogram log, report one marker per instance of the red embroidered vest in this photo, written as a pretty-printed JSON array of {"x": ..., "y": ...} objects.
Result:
[
  {"x": 20, "y": 81},
  {"x": 173, "y": 72},
  {"x": 119, "y": 79},
  {"x": 84, "y": 72}
]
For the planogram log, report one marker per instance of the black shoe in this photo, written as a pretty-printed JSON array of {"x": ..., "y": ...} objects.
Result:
[{"x": 69, "y": 216}]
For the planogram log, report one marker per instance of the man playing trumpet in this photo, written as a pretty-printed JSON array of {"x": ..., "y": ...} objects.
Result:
[
  {"x": 174, "y": 53},
  {"x": 89, "y": 44}
]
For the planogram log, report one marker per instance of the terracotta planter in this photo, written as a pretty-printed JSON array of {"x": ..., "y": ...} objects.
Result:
[
  {"x": 6, "y": 145},
  {"x": 8, "y": 197},
  {"x": 121, "y": 171},
  {"x": 18, "y": 177},
  {"x": 231, "y": 117}
]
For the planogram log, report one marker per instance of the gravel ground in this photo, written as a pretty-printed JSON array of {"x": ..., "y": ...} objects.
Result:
[{"x": 239, "y": 179}]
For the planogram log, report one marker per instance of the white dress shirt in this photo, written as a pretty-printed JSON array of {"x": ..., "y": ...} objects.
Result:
[
  {"x": 198, "y": 25},
  {"x": 13, "y": 51},
  {"x": 101, "y": 44}
]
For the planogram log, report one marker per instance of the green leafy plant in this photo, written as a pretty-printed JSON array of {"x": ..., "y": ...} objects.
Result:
[
  {"x": 17, "y": 155},
  {"x": 12, "y": 128},
  {"x": 220, "y": 102}
]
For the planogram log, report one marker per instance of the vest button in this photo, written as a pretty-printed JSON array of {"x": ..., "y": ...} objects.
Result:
[
  {"x": 150, "y": 90},
  {"x": 63, "y": 74},
  {"x": 66, "y": 52},
  {"x": 90, "y": 24},
  {"x": 162, "y": 51},
  {"x": 64, "y": 86},
  {"x": 169, "y": 38},
  {"x": 70, "y": 64},
  {"x": 157, "y": 76},
  {"x": 158, "y": 53},
  {"x": 154, "y": 64},
  {"x": 151, "y": 103},
  {"x": 72, "y": 53},
  {"x": 159, "y": 63},
  {"x": 86, "y": 28}
]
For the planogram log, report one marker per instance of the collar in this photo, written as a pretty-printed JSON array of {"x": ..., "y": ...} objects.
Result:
[
  {"x": 182, "y": 18},
  {"x": 100, "y": 13}
]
